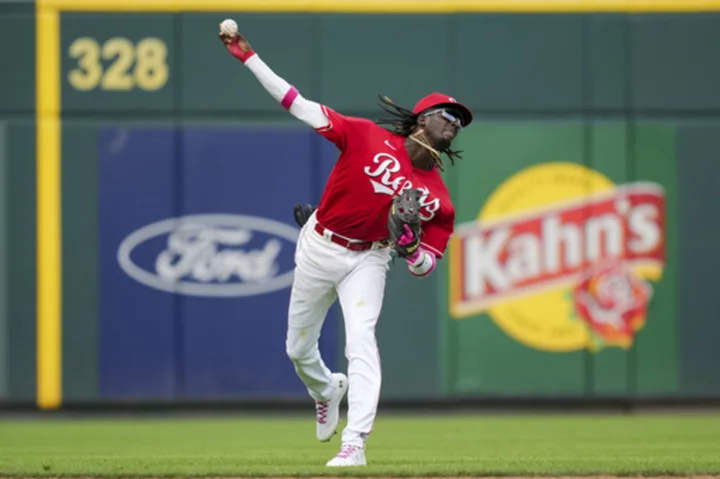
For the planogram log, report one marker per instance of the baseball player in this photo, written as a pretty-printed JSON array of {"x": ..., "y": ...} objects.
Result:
[{"x": 344, "y": 246}]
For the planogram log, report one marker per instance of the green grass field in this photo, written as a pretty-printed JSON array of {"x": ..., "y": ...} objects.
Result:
[{"x": 449, "y": 445}]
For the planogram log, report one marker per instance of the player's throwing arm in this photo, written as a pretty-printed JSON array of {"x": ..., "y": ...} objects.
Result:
[{"x": 287, "y": 95}]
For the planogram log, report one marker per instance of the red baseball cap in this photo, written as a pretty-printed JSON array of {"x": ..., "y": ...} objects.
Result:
[{"x": 436, "y": 100}]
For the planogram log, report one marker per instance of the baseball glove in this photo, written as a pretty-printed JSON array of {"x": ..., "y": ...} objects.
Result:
[{"x": 404, "y": 222}]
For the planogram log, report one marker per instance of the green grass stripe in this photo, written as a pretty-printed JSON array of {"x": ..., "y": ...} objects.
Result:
[{"x": 400, "y": 446}]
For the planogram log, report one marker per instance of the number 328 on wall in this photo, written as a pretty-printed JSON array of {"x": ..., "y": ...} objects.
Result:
[{"x": 142, "y": 65}]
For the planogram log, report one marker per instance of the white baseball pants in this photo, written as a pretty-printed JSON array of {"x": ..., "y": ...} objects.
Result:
[{"x": 324, "y": 272}]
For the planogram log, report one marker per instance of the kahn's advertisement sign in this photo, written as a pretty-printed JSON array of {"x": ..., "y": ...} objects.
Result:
[{"x": 561, "y": 258}]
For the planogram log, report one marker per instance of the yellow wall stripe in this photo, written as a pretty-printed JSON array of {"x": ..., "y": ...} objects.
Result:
[
  {"x": 49, "y": 325},
  {"x": 387, "y": 6}
]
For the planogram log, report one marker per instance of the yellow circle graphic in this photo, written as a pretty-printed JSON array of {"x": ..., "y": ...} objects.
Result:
[{"x": 542, "y": 320}]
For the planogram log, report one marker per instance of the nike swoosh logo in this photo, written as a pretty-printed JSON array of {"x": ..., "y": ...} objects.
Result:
[{"x": 388, "y": 144}]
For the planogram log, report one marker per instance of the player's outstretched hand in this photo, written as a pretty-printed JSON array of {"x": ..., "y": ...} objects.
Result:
[{"x": 236, "y": 44}]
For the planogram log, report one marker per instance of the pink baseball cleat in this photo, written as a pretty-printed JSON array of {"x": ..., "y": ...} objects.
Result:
[
  {"x": 350, "y": 455},
  {"x": 328, "y": 412}
]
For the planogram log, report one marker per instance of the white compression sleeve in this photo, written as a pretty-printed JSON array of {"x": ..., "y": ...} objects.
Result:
[
  {"x": 309, "y": 112},
  {"x": 304, "y": 110}
]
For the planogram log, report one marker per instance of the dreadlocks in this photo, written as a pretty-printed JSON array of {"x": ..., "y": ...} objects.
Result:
[{"x": 405, "y": 122}]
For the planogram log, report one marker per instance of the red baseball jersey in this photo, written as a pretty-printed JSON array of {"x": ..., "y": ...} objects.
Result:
[{"x": 373, "y": 167}]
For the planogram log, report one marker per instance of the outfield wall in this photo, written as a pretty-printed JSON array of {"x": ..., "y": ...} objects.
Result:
[{"x": 595, "y": 137}]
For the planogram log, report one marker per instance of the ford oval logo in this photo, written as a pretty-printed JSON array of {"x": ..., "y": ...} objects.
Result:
[{"x": 211, "y": 255}]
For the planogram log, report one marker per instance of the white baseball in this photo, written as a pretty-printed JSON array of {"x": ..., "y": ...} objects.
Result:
[{"x": 229, "y": 26}]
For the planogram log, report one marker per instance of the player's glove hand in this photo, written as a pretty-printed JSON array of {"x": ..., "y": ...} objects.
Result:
[
  {"x": 302, "y": 213},
  {"x": 410, "y": 240},
  {"x": 404, "y": 224},
  {"x": 237, "y": 45}
]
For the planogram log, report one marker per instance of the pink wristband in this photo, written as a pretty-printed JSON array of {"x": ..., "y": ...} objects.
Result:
[
  {"x": 430, "y": 268},
  {"x": 289, "y": 98},
  {"x": 412, "y": 259}
]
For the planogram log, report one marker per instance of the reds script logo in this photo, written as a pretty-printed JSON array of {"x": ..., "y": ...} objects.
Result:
[{"x": 387, "y": 184}]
